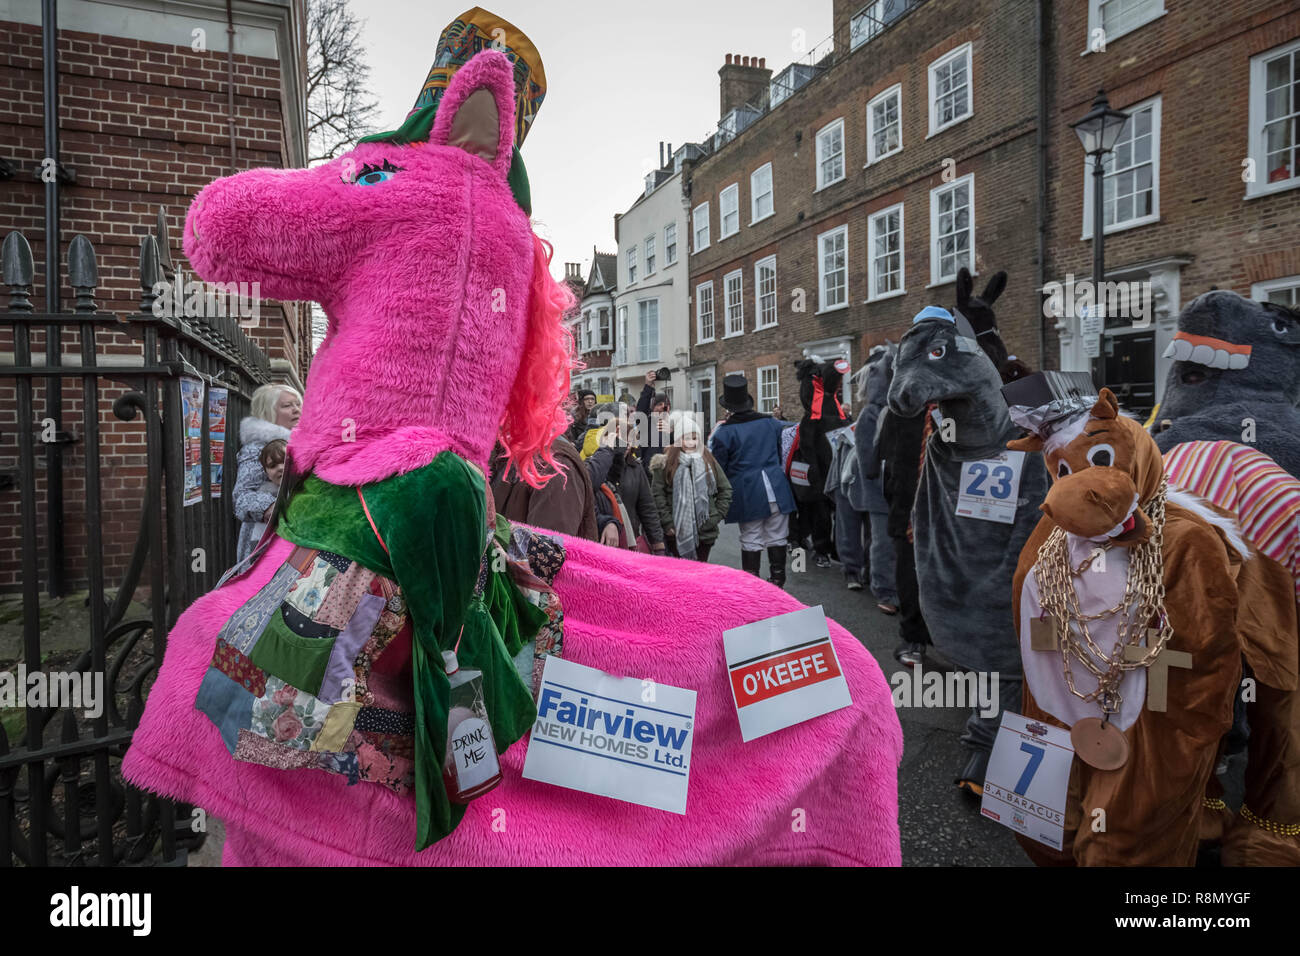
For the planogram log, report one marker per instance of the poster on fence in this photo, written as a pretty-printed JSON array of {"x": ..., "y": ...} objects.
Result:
[
  {"x": 217, "y": 399},
  {"x": 192, "y": 425}
]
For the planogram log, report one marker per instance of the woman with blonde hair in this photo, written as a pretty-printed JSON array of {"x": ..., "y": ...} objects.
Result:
[{"x": 275, "y": 410}]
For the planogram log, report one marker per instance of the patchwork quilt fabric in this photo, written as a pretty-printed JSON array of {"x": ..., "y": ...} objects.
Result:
[{"x": 315, "y": 672}]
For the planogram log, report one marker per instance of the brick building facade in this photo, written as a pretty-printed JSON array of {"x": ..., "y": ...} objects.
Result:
[
  {"x": 593, "y": 327},
  {"x": 1207, "y": 86},
  {"x": 143, "y": 124},
  {"x": 837, "y": 233}
]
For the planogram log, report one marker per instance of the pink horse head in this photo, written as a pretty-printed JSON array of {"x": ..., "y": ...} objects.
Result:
[{"x": 444, "y": 321}]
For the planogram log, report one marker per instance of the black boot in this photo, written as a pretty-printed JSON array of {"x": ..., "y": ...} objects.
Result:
[
  {"x": 776, "y": 564},
  {"x": 751, "y": 561}
]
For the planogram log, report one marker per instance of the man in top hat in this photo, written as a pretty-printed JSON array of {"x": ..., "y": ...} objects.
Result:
[{"x": 748, "y": 447}]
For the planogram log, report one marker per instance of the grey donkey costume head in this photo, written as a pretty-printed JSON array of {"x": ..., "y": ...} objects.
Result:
[
  {"x": 874, "y": 377},
  {"x": 1236, "y": 371},
  {"x": 940, "y": 361}
]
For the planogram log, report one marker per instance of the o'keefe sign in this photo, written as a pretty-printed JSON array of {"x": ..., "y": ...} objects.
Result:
[{"x": 783, "y": 671}]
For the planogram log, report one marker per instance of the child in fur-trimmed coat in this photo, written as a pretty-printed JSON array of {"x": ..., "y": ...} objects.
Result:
[{"x": 691, "y": 492}]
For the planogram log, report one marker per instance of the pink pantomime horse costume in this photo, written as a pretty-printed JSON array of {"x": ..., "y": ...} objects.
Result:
[{"x": 445, "y": 336}]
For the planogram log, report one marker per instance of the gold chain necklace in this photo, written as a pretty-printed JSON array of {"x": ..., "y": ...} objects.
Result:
[{"x": 1144, "y": 586}]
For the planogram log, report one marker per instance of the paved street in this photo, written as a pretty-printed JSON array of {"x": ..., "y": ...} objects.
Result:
[{"x": 941, "y": 826}]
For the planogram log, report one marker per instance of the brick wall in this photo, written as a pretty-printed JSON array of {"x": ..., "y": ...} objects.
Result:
[
  {"x": 1196, "y": 58},
  {"x": 996, "y": 144},
  {"x": 143, "y": 125}
]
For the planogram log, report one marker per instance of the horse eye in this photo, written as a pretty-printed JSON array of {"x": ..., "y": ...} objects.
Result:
[
  {"x": 1101, "y": 455},
  {"x": 938, "y": 352},
  {"x": 374, "y": 177},
  {"x": 1279, "y": 326},
  {"x": 1062, "y": 469}
]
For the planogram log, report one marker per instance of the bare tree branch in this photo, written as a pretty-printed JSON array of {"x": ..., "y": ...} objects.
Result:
[{"x": 340, "y": 109}]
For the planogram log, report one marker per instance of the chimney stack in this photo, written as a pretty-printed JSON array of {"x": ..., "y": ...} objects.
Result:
[
  {"x": 661, "y": 154},
  {"x": 742, "y": 80}
]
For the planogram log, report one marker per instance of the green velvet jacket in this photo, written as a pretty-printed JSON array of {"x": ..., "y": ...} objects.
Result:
[{"x": 433, "y": 521}]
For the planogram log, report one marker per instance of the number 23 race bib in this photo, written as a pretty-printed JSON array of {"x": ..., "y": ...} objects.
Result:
[{"x": 989, "y": 488}]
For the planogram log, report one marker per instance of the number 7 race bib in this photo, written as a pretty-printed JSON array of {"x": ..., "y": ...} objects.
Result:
[{"x": 988, "y": 489}]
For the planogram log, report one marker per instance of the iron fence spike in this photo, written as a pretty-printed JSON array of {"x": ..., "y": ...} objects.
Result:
[
  {"x": 83, "y": 272},
  {"x": 164, "y": 242},
  {"x": 19, "y": 267}
]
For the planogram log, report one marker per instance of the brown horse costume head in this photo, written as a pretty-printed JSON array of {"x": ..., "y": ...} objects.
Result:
[{"x": 1103, "y": 467}]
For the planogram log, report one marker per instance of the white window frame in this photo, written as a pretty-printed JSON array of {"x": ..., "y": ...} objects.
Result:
[
  {"x": 872, "y": 156},
  {"x": 696, "y": 244},
  {"x": 859, "y": 37},
  {"x": 739, "y": 276},
  {"x": 776, "y": 385},
  {"x": 1256, "y": 112},
  {"x": 1154, "y": 105},
  {"x": 965, "y": 50},
  {"x": 822, "y": 307},
  {"x": 670, "y": 245},
  {"x": 730, "y": 193},
  {"x": 604, "y": 333},
  {"x": 1259, "y": 291},
  {"x": 1094, "y": 24},
  {"x": 759, "y": 324},
  {"x": 871, "y": 254},
  {"x": 969, "y": 180},
  {"x": 844, "y": 165},
  {"x": 754, "y": 194},
  {"x": 699, "y": 313},
  {"x": 620, "y": 347},
  {"x": 630, "y": 262},
  {"x": 642, "y": 307},
  {"x": 650, "y": 255}
]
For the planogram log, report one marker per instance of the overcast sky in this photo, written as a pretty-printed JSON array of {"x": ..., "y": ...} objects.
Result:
[{"x": 620, "y": 77}]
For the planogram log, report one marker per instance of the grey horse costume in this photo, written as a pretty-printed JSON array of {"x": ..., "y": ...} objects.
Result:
[
  {"x": 964, "y": 565},
  {"x": 1212, "y": 393}
]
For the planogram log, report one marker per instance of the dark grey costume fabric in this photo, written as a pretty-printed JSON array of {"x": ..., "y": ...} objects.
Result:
[
  {"x": 964, "y": 566},
  {"x": 1266, "y": 391}
]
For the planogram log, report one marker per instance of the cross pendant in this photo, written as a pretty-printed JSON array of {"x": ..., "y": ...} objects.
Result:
[{"x": 1158, "y": 670}]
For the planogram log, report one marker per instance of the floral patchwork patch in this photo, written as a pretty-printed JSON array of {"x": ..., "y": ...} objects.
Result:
[
  {"x": 308, "y": 592},
  {"x": 288, "y": 716}
]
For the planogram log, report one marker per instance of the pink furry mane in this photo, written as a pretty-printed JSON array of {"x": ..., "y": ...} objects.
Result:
[{"x": 535, "y": 413}]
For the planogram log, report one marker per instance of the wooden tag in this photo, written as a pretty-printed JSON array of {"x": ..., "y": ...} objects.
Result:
[
  {"x": 1099, "y": 743},
  {"x": 1042, "y": 633},
  {"x": 1158, "y": 671}
]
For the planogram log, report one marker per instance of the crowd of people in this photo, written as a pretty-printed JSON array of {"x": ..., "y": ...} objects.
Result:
[{"x": 647, "y": 478}]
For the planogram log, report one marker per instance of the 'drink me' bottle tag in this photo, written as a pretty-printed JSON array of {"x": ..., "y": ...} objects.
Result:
[{"x": 470, "y": 768}]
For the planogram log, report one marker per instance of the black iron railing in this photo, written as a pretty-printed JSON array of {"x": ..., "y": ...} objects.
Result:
[{"x": 62, "y": 799}]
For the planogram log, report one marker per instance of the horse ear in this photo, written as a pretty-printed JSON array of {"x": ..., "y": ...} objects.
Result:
[
  {"x": 477, "y": 111},
  {"x": 1028, "y": 443},
  {"x": 1107, "y": 405},
  {"x": 994, "y": 288},
  {"x": 964, "y": 287}
]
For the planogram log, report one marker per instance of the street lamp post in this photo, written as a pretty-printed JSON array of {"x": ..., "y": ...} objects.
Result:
[{"x": 1098, "y": 131}]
